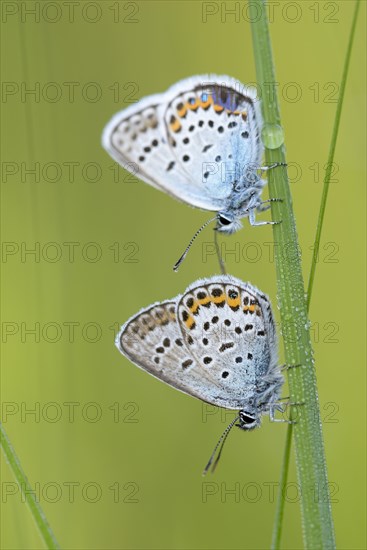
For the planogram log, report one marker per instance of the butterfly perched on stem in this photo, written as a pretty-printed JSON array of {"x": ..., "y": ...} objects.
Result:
[
  {"x": 216, "y": 342},
  {"x": 200, "y": 142}
]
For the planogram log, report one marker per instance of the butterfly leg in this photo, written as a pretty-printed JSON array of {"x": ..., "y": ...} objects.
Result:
[
  {"x": 262, "y": 208},
  {"x": 290, "y": 403},
  {"x": 272, "y": 418},
  {"x": 271, "y": 166},
  {"x": 282, "y": 408},
  {"x": 287, "y": 367},
  {"x": 253, "y": 221}
]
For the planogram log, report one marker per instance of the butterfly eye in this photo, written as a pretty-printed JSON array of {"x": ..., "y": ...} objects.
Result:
[
  {"x": 223, "y": 220},
  {"x": 247, "y": 418}
]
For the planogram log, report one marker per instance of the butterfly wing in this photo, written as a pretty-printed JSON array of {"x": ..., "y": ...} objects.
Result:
[
  {"x": 230, "y": 326},
  {"x": 191, "y": 141},
  {"x": 152, "y": 340},
  {"x": 214, "y": 123},
  {"x": 136, "y": 138}
]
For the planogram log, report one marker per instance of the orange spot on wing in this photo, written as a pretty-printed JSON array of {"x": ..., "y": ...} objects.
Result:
[
  {"x": 217, "y": 299},
  {"x": 194, "y": 105},
  {"x": 190, "y": 322},
  {"x": 200, "y": 302},
  {"x": 236, "y": 113},
  {"x": 218, "y": 108},
  {"x": 182, "y": 112},
  {"x": 233, "y": 302},
  {"x": 195, "y": 306},
  {"x": 206, "y": 103},
  {"x": 175, "y": 126},
  {"x": 204, "y": 301}
]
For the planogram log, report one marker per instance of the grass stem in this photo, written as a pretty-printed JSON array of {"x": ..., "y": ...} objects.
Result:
[
  {"x": 29, "y": 495},
  {"x": 279, "y": 513},
  {"x": 318, "y": 530}
]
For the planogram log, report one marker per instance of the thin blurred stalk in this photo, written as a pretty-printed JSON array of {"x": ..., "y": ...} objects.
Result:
[
  {"x": 279, "y": 512},
  {"x": 318, "y": 531},
  {"x": 279, "y": 509},
  {"x": 330, "y": 161},
  {"x": 29, "y": 495}
]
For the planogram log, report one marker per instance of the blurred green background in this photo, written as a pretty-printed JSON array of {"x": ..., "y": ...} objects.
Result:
[{"x": 114, "y": 455}]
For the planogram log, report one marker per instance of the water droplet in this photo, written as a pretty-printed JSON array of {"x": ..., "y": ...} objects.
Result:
[{"x": 272, "y": 136}]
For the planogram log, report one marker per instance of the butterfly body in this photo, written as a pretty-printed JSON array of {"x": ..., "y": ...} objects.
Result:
[
  {"x": 199, "y": 142},
  {"x": 216, "y": 342}
]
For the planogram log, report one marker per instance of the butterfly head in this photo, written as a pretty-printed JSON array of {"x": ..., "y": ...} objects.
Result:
[
  {"x": 249, "y": 419},
  {"x": 227, "y": 222}
]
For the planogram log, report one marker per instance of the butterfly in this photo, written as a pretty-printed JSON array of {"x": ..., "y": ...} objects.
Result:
[
  {"x": 216, "y": 342},
  {"x": 200, "y": 142}
]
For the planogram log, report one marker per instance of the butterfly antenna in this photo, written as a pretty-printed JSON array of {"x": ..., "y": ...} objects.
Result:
[
  {"x": 181, "y": 259},
  {"x": 220, "y": 443}
]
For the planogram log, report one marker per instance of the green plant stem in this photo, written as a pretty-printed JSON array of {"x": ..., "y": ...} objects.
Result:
[
  {"x": 279, "y": 513},
  {"x": 29, "y": 495},
  {"x": 317, "y": 521},
  {"x": 279, "y": 510}
]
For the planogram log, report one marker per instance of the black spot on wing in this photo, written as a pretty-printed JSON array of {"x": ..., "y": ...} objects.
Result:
[{"x": 225, "y": 346}]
